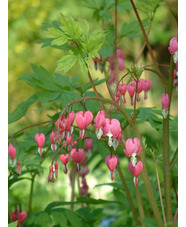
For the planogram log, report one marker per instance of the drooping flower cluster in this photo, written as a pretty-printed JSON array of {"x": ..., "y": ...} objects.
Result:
[
  {"x": 136, "y": 86},
  {"x": 107, "y": 127},
  {"x": 133, "y": 149},
  {"x": 19, "y": 216}
]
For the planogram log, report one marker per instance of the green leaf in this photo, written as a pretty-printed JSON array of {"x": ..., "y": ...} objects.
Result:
[
  {"x": 106, "y": 15},
  {"x": 47, "y": 96},
  {"x": 96, "y": 82},
  {"x": 59, "y": 218},
  {"x": 69, "y": 96},
  {"x": 16, "y": 179},
  {"x": 133, "y": 29},
  {"x": 41, "y": 78},
  {"x": 95, "y": 201},
  {"x": 21, "y": 110},
  {"x": 73, "y": 218},
  {"x": 83, "y": 67},
  {"x": 50, "y": 206},
  {"x": 13, "y": 224},
  {"x": 66, "y": 62},
  {"x": 150, "y": 222},
  {"x": 105, "y": 52}
]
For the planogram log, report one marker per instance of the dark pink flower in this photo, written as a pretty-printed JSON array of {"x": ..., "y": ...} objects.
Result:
[
  {"x": 173, "y": 45},
  {"x": 146, "y": 87},
  {"x": 83, "y": 120},
  {"x": 111, "y": 162},
  {"x": 65, "y": 159},
  {"x": 122, "y": 89},
  {"x": 56, "y": 168},
  {"x": 18, "y": 168},
  {"x": 40, "y": 139},
  {"x": 21, "y": 217},
  {"x": 131, "y": 90},
  {"x": 165, "y": 105},
  {"x": 132, "y": 146},
  {"x": 12, "y": 154},
  {"x": 99, "y": 120},
  {"x": 77, "y": 155},
  {"x": 111, "y": 128},
  {"x": 135, "y": 170}
]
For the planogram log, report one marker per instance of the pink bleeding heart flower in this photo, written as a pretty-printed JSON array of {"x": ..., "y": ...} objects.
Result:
[
  {"x": 18, "y": 168},
  {"x": 111, "y": 162},
  {"x": 117, "y": 98},
  {"x": 165, "y": 104},
  {"x": 111, "y": 128},
  {"x": 139, "y": 85},
  {"x": 21, "y": 217},
  {"x": 40, "y": 139},
  {"x": 135, "y": 170},
  {"x": 173, "y": 45},
  {"x": 131, "y": 90},
  {"x": 52, "y": 138},
  {"x": 12, "y": 154},
  {"x": 83, "y": 120},
  {"x": 112, "y": 78},
  {"x": 88, "y": 147},
  {"x": 56, "y": 168},
  {"x": 132, "y": 146},
  {"x": 99, "y": 120},
  {"x": 14, "y": 215},
  {"x": 146, "y": 87},
  {"x": 120, "y": 59},
  {"x": 133, "y": 149},
  {"x": 65, "y": 159},
  {"x": 122, "y": 89},
  {"x": 77, "y": 155},
  {"x": 51, "y": 174}
]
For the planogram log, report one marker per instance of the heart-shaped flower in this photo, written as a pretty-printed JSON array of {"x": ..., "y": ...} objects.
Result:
[
  {"x": 77, "y": 155},
  {"x": 111, "y": 162}
]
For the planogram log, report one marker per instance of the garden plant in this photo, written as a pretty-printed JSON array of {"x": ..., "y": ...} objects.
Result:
[{"x": 99, "y": 123}]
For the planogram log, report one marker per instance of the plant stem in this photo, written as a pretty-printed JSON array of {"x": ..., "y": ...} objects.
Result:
[
  {"x": 162, "y": 207},
  {"x": 140, "y": 205},
  {"x": 166, "y": 172},
  {"x": 72, "y": 186},
  {"x": 146, "y": 40},
  {"x": 128, "y": 194},
  {"x": 96, "y": 93},
  {"x": 31, "y": 194},
  {"x": 30, "y": 126},
  {"x": 115, "y": 42},
  {"x": 175, "y": 216}
]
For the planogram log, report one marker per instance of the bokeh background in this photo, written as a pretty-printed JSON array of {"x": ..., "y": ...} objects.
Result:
[{"x": 25, "y": 21}]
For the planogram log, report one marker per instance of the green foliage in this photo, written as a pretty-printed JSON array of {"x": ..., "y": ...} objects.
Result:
[
  {"x": 21, "y": 110},
  {"x": 13, "y": 224},
  {"x": 132, "y": 29},
  {"x": 84, "y": 44}
]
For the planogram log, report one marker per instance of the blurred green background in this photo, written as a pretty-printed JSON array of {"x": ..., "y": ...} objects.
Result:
[{"x": 25, "y": 31}]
